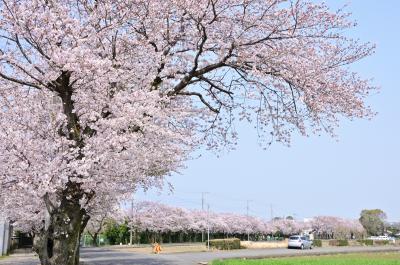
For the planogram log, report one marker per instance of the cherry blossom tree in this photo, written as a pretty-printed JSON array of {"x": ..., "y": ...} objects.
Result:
[
  {"x": 102, "y": 210},
  {"x": 159, "y": 217},
  {"x": 101, "y": 97},
  {"x": 96, "y": 225},
  {"x": 23, "y": 210},
  {"x": 288, "y": 226},
  {"x": 163, "y": 219},
  {"x": 328, "y": 227}
]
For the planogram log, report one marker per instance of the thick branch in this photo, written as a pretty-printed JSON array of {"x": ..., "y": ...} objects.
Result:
[{"x": 186, "y": 80}]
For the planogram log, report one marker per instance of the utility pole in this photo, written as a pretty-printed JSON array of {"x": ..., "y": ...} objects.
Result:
[
  {"x": 202, "y": 201},
  {"x": 202, "y": 209},
  {"x": 247, "y": 213},
  {"x": 272, "y": 212},
  {"x": 208, "y": 227}
]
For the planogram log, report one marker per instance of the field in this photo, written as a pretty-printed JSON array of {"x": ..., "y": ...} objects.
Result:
[{"x": 345, "y": 259}]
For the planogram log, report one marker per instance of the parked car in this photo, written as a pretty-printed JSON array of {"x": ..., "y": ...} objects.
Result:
[
  {"x": 383, "y": 238},
  {"x": 301, "y": 242}
]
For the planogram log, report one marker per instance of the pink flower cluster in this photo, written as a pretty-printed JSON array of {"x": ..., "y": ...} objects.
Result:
[
  {"x": 100, "y": 97},
  {"x": 161, "y": 218}
]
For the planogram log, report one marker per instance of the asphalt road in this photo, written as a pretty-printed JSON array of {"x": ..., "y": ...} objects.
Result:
[{"x": 105, "y": 256}]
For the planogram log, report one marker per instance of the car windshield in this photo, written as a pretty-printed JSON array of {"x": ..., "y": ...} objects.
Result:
[{"x": 293, "y": 237}]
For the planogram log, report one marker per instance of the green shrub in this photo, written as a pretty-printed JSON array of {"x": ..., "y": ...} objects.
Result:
[
  {"x": 116, "y": 233},
  {"x": 317, "y": 243},
  {"x": 366, "y": 242},
  {"x": 225, "y": 244}
]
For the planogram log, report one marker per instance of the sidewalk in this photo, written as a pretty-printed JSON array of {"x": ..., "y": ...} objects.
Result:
[{"x": 20, "y": 259}]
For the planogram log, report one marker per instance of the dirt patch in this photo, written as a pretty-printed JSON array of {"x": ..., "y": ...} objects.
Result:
[
  {"x": 166, "y": 248},
  {"x": 182, "y": 248},
  {"x": 264, "y": 244}
]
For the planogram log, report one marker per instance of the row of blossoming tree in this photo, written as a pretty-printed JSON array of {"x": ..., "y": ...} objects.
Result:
[{"x": 153, "y": 221}]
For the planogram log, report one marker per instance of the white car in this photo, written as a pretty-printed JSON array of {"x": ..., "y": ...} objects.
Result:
[
  {"x": 382, "y": 238},
  {"x": 301, "y": 242}
]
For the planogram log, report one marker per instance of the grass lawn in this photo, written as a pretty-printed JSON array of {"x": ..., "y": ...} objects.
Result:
[{"x": 344, "y": 259}]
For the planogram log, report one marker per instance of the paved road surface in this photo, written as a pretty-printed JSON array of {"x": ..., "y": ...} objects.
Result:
[{"x": 105, "y": 256}]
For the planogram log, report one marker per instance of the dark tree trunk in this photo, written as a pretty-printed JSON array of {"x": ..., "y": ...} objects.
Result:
[
  {"x": 137, "y": 238},
  {"x": 95, "y": 238},
  {"x": 58, "y": 241}
]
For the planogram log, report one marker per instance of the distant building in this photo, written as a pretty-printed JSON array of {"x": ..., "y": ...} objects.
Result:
[{"x": 5, "y": 236}]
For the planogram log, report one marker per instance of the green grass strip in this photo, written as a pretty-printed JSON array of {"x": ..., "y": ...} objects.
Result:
[{"x": 342, "y": 259}]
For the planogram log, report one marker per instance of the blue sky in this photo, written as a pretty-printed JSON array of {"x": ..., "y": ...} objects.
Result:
[{"x": 316, "y": 175}]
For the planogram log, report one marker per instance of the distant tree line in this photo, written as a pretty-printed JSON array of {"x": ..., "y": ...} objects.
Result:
[{"x": 151, "y": 222}]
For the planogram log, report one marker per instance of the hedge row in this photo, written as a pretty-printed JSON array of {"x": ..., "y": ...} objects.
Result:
[
  {"x": 366, "y": 242},
  {"x": 344, "y": 242},
  {"x": 339, "y": 243},
  {"x": 225, "y": 244},
  {"x": 370, "y": 242},
  {"x": 317, "y": 243}
]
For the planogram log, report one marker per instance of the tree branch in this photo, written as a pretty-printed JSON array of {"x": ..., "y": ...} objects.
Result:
[
  {"x": 200, "y": 96},
  {"x": 24, "y": 83}
]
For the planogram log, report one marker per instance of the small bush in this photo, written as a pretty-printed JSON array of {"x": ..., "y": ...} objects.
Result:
[
  {"x": 366, "y": 242},
  {"x": 225, "y": 244},
  {"x": 317, "y": 243}
]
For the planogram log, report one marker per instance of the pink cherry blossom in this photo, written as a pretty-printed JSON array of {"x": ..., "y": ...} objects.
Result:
[
  {"x": 161, "y": 218},
  {"x": 98, "y": 98}
]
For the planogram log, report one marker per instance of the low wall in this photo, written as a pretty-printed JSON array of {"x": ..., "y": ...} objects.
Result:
[
  {"x": 284, "y": 244},
  {"x": 264, "y": 244}
]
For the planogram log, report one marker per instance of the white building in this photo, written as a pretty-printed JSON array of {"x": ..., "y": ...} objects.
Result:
[{"x": 5, "y": 237}]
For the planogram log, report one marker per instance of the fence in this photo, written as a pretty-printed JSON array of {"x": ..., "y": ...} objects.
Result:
[{"x": 5, "y": 233}]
